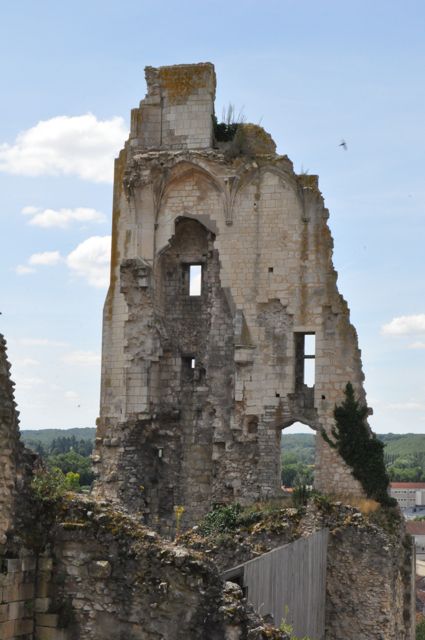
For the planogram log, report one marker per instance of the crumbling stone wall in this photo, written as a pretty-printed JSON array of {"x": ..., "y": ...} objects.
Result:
[
  {"x": 369, "y": 592},
  {"x": 15, "y": 461},
  {"x": 22, "y": 577},
  {"x": 260, "y": 232},
  {"x": 78, "y": 569},
  {"x": 103, "y": 576},
  {"x": 9, "y": 445}
]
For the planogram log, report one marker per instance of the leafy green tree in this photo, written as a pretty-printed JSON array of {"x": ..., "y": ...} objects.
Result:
[
  {"x": 289, "y": 474},
  {"x": 399, "y": 474},
  {"x": 75, "y": 463},
  {"x": 50, "y": 484},
  {"x": 294, "y": 474},
  {"x": 360, "y": 448},
  {"x": 72, "y": 481}
]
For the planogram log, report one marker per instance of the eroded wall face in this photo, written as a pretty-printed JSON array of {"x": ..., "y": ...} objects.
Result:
[
  {"x": 194, "y": 436},
  {"x": 10, "y": 448}
]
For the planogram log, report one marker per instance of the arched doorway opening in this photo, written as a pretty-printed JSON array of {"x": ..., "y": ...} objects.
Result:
[{"x": 297, "y": 456}]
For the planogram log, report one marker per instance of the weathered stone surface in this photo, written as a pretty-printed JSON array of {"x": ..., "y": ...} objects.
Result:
[
  {"x": 10, "y": 447},
  {"x": 195, "y": 392},
  {"x": 170, "y": 436},
  {"x": 369, "y": 593},
  {"x": 147, "y": 589}
]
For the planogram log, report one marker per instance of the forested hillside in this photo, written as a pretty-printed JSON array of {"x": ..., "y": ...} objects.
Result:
[
  {"x": 70, "y": 450},
  {"x": 404, "y": 457}
]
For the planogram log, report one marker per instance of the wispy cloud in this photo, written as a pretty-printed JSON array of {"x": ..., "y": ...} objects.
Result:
[
  {"x": 71, "y": 395},
  {"x": 62, "y": 218},
  {"x": 47, "y": 258},
  {"x": 417, "y": 345},
  {"x": 66, "y": 145},
  {"x": 41, "y": 342},
  {"x": 24, "y": 270},
  {"x": 90, "y": 260},
  {"x": 28, "y": 383},
  {"x": 407, "y": 406},
  {"x": 26, "y": 362},
  {"x": 86, "y": 358},
  {"x": 405, "y": 325}
]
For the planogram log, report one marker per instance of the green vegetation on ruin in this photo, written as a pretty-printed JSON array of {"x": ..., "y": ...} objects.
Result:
[{"x": 360, "y": 449}]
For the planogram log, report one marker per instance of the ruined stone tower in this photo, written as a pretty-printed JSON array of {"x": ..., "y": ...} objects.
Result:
[{"x": 222, "y": 296}]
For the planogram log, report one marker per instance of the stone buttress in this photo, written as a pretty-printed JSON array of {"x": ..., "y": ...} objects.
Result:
[{"x": 222, "y": 297}]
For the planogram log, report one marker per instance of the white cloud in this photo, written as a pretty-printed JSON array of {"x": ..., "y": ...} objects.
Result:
[
  {"x": 417, "y": 345},
  {"x": 29, "y": 211},
  {"x": 87, "y": 358},
  {"x": 27, "y": 362},
  {"x": 66, "y": 145},
  {"x": 23, "y": 270},
  {"x": 62, "y": 218},
  {"x": 407, "y": 406},
  {"x": 41, "y": 342},
  {"x": 405, "y": 325},
  {"x": 71, "y": 395},
  {"x": 47, "y": 258},
  {"x": 28, "y": 383},
  {"x": 90, "y": 260}
]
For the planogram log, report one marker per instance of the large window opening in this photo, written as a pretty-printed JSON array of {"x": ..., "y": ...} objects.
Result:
[
  {"x": 305, "y": 359},
  {"x": 297, "y": 455},
  {"x": 195, "y": 279}
]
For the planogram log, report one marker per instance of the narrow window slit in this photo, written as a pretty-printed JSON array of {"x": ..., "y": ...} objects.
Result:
[{"x": 188, "y": 368}]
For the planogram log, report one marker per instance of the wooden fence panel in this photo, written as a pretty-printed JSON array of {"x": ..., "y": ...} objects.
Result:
[{"x": 290, "y": 583}]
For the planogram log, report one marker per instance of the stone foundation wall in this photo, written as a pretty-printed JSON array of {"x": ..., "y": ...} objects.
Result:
[{"x": 17, "y": 591}]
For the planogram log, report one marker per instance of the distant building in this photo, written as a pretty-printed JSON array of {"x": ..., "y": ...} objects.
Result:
[
  {"x": 417, "y": 530},
  {"x": 408, "y": 494}
]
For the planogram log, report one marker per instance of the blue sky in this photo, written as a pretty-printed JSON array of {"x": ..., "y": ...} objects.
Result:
[{"x": 311, "y": 72}]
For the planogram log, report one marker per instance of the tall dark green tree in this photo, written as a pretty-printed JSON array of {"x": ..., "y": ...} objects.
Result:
[{"x": 360, "y": 448}]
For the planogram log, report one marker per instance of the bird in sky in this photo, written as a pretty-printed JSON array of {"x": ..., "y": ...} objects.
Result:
[{"x": 343, "y": 144}]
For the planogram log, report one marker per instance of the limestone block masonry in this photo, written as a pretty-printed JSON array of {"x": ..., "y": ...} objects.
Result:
[
  {"x": 11, "y": 449},
  {"x": 197, "y": 384}
]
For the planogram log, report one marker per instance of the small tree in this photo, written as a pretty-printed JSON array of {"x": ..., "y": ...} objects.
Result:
[{"x": 360, "y": 448}]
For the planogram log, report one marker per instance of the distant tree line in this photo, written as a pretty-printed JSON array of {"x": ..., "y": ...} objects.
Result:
[
  {"x": 68, "y": 454},
  {"x": 294, "y": 471},
  {"x": 298, "y": 466},
  {"x": 406, "y": 467}
]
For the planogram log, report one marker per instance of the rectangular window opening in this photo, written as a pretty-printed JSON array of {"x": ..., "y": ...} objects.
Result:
[
  {"x": 309, "y": 345},
  {"x": 309, "y": 377},
  {"x": 195, "y": 279},
  {"x": 188, "y": 368},
  {"x": 305, "y": 356}
]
